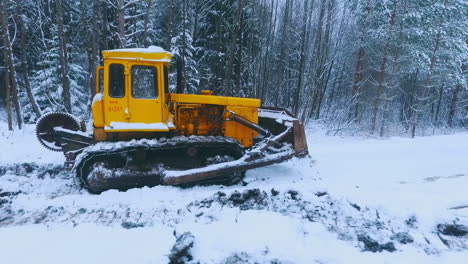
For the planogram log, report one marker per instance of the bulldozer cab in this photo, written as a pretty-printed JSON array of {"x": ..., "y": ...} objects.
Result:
[{"x": 132, "y": 91}]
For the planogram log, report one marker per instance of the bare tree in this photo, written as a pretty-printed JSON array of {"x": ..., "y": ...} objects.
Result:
[
  {"x": 356, "y": 90},
  {"x": 263, "y": 90},
  {"x": 304, "y": 44},
  {"x": 121, "y": 22},
  {"x": 63, "y": 56},
  {"x": 147, "y": 18},
  {"x": 383, "y": 68},
  {"x": 280, "y": 85},
  {"x": 91, "y": 34},
  {"x": 453, "y": 104},
  {"x": 10, "y": 72},
  {"x": 24, "y": 59}
]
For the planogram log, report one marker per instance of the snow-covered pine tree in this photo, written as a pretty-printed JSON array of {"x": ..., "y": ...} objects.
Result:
[
  {"x": 182, "y": 48},
  {"x": 451, "y": 70},
  {"x": 139, "y": 23},
  {"x": 31, "y": 110},
  {"x": 47, "y": 78}
]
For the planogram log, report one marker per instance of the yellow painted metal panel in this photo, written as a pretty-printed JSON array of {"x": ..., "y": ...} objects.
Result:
[
  {"x": 215, "y": 100},
  {"x": 98, "y": 78},
  {"x": 97, "y": 108},
  {"x": 237, "y": 131}
]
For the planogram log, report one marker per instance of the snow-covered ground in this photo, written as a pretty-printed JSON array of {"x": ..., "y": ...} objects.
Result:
[{"x": 354, "y": 200}]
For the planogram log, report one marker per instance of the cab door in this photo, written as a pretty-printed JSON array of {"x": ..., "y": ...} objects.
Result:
[
  {"x": 145, "y": 100},
  {"x": 116, "y": 101}
]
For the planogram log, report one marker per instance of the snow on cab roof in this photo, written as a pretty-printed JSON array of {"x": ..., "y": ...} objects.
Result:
[
  {"x": 150, "y": 49},
  {"x": 152, "y": 53}
]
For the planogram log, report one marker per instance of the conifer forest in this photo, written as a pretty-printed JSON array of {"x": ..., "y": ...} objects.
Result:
[{"x": 381, "y": 67}]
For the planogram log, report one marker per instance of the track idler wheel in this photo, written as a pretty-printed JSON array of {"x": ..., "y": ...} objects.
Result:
[{"x": 46, "y": 124}]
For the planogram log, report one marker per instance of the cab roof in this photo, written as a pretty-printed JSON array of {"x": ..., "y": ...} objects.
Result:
[{"x": 152, "y": 53}]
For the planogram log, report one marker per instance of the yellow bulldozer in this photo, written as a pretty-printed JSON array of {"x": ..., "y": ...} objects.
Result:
[{"x": 143, "y": 135}]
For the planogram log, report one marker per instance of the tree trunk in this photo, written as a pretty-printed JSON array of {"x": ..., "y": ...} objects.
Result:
[
  {"x": 94, "y": 58},
  {"x": 394, "y": 77},
  {"x": 439, "y": 101},
  {"x": 251, "y": 73},
  {"x": 325, "y": 86},
  {"x": 453, "y": 105},
  {"x": 170, "y": 24},
  {"x": 323, "y": 78},
  {"x": 181, "y": 70},
  {"x": 240, "y": 45},
  {"x": 121, "y": 23},
  {"x": 63, "y": 58},
  {"x": 384, "y": 119},
  {"x": 24, "y": 61},
  {"x": 383, "y": 67},
  {"x": 317, "y": 61},
  {"x": 282, "y": 58},
  {"x": 8, "y": 93},
  {"x": 147, "y": 17},
  {"x": 89, "y": 33},
  {"x": 409, "y": 107},
  {"x": 338, "y": 79},
  {"x": 266, "y": 59},
  {"x": 10, "y": 72},
  {"x": 357, "y": 83},
  {"x": 233, "y": 52},
  {"x": 429, "y": 73},
  {"x": 180, "y": 65},
  {"x": 302, "y": 57},
  {"x": 104, "y": 16},
  {"x": 358, "y": 69}
]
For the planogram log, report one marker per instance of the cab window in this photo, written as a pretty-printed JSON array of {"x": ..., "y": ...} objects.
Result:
[
  {"x": 116, "y": 80},
  {"x": 144, "y": 82}
]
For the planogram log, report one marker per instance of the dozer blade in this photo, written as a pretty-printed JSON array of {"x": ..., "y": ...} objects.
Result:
[
  {"x": 277, "y": 120},
  {"x": 285, "y": 139}
]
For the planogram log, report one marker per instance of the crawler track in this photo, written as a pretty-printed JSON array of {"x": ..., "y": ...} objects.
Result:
[{"x": 138, "y": 163}]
